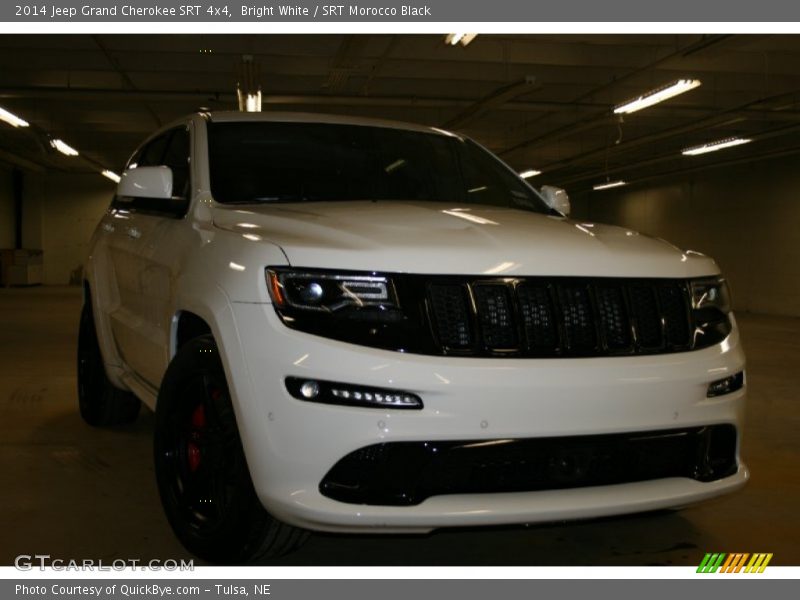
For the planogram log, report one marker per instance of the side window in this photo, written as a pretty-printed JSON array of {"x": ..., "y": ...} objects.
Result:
[
  {"x": 170, "y": 149},
  {"x": 176, "y": 158},
  {"x": 153, "y": 153}
]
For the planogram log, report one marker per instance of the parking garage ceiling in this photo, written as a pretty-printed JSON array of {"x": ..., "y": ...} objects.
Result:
[{"x": 540, "y": 102}]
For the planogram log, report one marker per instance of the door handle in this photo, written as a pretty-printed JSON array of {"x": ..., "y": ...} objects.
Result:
[
  {"x": 108, "y": 228},
  {"x": 134, "y": 232}
]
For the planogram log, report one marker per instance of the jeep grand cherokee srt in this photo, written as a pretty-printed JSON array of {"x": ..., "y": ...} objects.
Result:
[{"x": 364, "y": 326}]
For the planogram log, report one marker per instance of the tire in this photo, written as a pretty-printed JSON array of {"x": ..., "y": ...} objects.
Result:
[
  {"x": 201, "y": 471},
  {"x": 101, "y": 404}
]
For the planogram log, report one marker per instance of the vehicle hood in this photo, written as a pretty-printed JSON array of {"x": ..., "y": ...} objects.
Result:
[{"x": 427, "y": 237}]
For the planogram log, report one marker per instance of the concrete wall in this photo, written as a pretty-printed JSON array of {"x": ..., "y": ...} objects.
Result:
[
  {"x": 32, "y": 195},
  {"x": 60, "y": 212},
  {"x": 71, "y": 206},
  {"x": 6, "y": 209},
  {"x": 747, "y": 218},
  {"x": 32, "y": 199}
]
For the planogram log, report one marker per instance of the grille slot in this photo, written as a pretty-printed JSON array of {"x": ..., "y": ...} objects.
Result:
[
  {"x": 616, "y": 328},
  {"x": 451, "y": 315},
  {"x": 560, "y": 316},
  {"x": 577, "y": 318},
  {"x": 538, "y": 318},
  {"x": 493, "y": 303},
  {"x": 673, "y": 302},
  {"x": 644, "y": 307}
]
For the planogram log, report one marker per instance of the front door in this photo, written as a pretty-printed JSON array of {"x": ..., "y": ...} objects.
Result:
[{"x": 143, "y": 267}]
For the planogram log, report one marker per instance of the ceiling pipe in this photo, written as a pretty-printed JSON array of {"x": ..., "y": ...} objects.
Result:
[
  {"x": 668, "y": 157},
  {"x": 20, "y": 162},
  {"x": 492, "y": 101},
  {"x": 599, "y": 119},
  {"x": 115, "y": 64},
  {"x": 707, "y": 167},
  {"x": 194, "y": 96},
  {"x": 622, "y": 147}
]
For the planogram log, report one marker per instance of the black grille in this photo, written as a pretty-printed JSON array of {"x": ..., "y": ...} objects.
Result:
[
  {"x": 538, "y": 317},
  {"x": 449, "y": 305},
  {"x": 577, "y": 317},
  {"x": 560, "y": 317},
  {"x": 647, "y": 319},
  {"x": 614, "y": 321},
  {"x": 673, "y": 309},
  {"x": 406, "y": 473},
  {"x": 493, "y": 303}
]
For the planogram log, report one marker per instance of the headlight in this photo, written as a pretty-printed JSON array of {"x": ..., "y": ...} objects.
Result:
[
  {"x": 711, "y": 294},
  {"x": 711, "y": 303},
  {"x": 369, "y": 309},
  {"x": 329, "y": 292}
]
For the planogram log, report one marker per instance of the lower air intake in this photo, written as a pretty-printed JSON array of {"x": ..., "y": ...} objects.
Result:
[{"x": 407, "y": 473}]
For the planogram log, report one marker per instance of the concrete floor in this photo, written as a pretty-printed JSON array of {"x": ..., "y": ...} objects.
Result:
[{"x": 75, "y": 492}]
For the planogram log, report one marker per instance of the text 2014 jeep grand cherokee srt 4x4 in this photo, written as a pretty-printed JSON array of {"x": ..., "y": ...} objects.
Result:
[{"x": 364, "y": 326}]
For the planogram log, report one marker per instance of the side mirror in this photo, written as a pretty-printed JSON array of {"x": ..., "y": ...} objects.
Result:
[
  {"x": 556, "y": 198},
  {"x": 146, "y": 182}
]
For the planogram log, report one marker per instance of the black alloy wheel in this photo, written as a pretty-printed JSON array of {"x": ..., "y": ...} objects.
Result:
[{"x": 201, "y": 470}]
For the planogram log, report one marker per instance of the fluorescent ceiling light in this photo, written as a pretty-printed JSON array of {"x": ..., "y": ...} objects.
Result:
[
  {"x": 248, "y": 101},
  {"x": 111, "y": 175},
  {"x": 459, "y": 38},
  {"x": 658, "y": 95},
  {"x": 714, "y": 146},
  {"x": 12, "y": 119},
  {"x": 530, "y": 173},
  {"x": 64, "y": 148},
  {"x": 253, "y": 102},
  {"x": 609, "y": 185}
]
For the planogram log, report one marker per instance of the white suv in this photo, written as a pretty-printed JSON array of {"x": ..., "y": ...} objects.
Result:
[{"x": 364, "y": 326}]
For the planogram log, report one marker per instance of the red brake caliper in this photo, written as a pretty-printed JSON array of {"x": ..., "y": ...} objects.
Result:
[{"x": 192, "y": 449}]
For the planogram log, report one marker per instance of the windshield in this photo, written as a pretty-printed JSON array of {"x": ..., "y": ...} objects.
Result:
[{"x": 320, "y": 162}]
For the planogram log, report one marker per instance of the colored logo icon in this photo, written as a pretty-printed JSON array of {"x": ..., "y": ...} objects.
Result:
[{"x": 738, "y": 562}]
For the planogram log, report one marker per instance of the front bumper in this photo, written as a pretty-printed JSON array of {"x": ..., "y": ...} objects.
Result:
[{"x": 291, "y": 444}]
